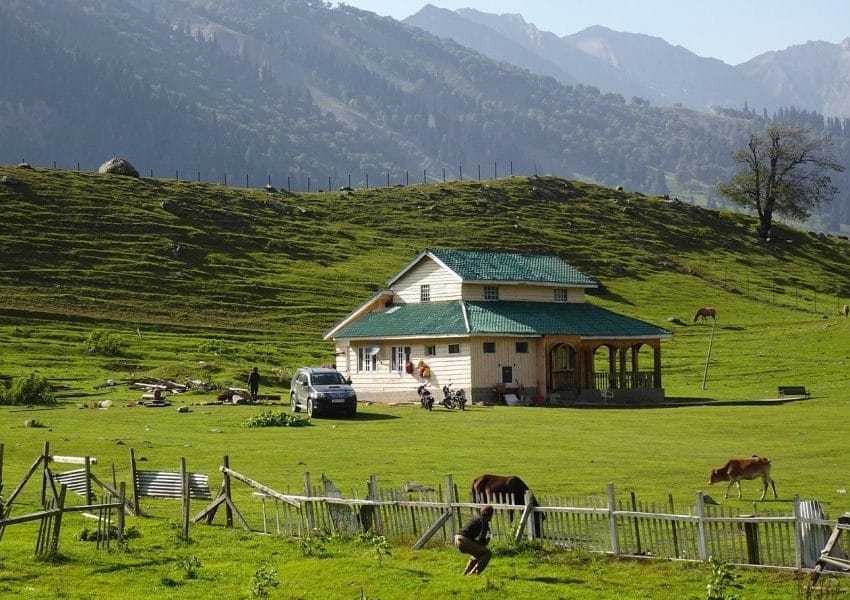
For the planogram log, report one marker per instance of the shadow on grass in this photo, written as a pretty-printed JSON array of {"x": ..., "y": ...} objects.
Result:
[
  {"x": 361, "y": 416},
  {"x": 555, "y": 580}
]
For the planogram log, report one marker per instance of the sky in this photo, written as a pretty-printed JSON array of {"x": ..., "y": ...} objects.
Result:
[{"x": 733, "y": 31}]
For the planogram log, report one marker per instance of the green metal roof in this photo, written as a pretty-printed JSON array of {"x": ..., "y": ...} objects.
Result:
[
  {"x": 507, "y": 266},
  {"x": 498, "y": 317},
  {"x": 543, "y": 318},
  {"x": 421, "y": 318}
]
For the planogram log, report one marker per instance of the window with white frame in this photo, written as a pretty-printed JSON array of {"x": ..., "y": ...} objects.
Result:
[
  {"x": 454, "y": 348},
  {"x": 491, "y": 292},
  {"x": 400, "y": 355},
  {"x": 430, "y": 351},
  {"x": 367, "y": 359},
  {"x": 560, "y": 294},
  {"x": 425, "y": 292}
]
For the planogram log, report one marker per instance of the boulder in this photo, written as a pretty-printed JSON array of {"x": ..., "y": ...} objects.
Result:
[{"x": 118, "y": 166}]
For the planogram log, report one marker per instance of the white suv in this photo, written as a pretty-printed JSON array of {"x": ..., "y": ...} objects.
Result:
[{"x": 322, "y": 391}]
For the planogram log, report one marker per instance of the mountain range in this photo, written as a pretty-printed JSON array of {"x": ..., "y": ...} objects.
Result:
[
  {"x": 814, "y": 76},
  {"x": 305, "y": 96}
]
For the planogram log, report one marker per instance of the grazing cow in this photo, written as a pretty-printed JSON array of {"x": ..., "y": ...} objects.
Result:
[
  {"x": 845, "y": 310},
  {"x": 744, "y": 468},
  {"x": 510, "y": 488}
]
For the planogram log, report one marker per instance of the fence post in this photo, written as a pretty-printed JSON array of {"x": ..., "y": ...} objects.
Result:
[
  {"x": 134, "y": 482},
  {"x": 122, "y": 495},
  {"x": 184, "y": 482},
  {"x": 308, "y": 509},
  {"x": 702, "y": 541},
  {"x": 450, "y": 500},
  {"x": 751, "y": 533},
  {"x": 674, "y": 527},
  {"x": 798, "y": 534},
  {"x": 46, "y": 458},
  {"x": 637, "y": 523},
  {"x": 376, "y": 510},
  {"x": 228, "y": 506},
  {"x": 612, "y": 521}
]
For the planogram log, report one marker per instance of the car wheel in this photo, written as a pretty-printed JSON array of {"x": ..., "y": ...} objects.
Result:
[
  {"x": 294, "y": 403},
  {"x": 310, "y": 410}
]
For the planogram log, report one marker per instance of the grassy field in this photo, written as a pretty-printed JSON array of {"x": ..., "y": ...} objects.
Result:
[{"x": 259, "y": 277}]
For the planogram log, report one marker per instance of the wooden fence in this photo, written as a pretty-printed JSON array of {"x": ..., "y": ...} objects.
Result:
[{"x": 605, "y": 524}]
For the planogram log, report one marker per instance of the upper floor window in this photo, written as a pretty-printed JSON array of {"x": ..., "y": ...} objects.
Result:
[
  {"x": 425, "y": 293},
  {"x": 560, "y": 294},
  {"x": 491, "y": 292},
  {"x": 454, "y": 348},
  {"x": 430, "y": 351}
]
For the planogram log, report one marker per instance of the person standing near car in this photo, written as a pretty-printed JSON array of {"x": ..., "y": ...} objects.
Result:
[
  {"x": 473, "y": 540},
  {"x": 254, "y": 383}
]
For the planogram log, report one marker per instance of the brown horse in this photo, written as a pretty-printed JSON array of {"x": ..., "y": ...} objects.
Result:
[
  {"x": 505, "y": 488},
  {"x": 703, "y": 312},
  {"x": 845, "y": 310}
]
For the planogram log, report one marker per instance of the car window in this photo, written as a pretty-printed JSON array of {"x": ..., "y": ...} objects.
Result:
[{"x": 327, "y": 379}]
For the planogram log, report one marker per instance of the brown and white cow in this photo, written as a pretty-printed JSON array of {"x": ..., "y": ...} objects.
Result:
[{"x": 744, "y": 468}]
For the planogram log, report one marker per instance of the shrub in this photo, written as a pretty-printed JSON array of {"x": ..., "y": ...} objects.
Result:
[
  {"x": 105, "y": 343},
  {"x": 263, "y": 580},
  {"x": 275, "y": 419},
  {"x": 31, "y": 390}
]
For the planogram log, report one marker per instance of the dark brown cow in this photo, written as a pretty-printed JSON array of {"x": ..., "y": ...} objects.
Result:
[
  {"x": 744, "y": 468},
  {"x": 489, "y": 488}
]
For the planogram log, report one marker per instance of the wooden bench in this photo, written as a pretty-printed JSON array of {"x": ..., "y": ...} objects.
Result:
[{"x": 793, "y": 390}]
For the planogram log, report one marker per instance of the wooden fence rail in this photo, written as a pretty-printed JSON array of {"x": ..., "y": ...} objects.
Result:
[{"x": 621, "y": 528}]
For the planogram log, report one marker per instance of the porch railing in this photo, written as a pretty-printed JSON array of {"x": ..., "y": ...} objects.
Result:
[{"x": 611, "y": 381}]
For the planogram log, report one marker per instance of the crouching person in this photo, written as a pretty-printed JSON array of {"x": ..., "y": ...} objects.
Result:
[{"x": 473, "y": 540}]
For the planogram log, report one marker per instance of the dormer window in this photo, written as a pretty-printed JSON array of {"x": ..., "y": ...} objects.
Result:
[
  {"x": 491, "y": 292},
  {"x": 425, "y": 293},
  {"x": 560, "y": 294}
]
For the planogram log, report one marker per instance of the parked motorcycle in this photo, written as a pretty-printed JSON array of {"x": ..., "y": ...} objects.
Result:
[
  {"x": 426, "y": 399},
  {"x": 453, "y": 398}
]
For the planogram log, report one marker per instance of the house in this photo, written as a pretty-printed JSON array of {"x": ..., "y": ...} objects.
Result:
[{"x": 495, "y": 323}]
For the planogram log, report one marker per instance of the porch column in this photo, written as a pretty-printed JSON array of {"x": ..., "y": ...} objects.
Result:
[
  {"x": 656, "y": 347},
  {"x": 543, "y": 366},
  {"x": 622, "y": 374}
]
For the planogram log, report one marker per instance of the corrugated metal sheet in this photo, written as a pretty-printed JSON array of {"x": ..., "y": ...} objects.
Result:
[
  {"x": 166, "y": 484},
  {"x": 75, "y": 481}
]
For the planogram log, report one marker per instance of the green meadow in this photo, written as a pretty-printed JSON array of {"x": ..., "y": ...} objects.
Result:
[{"x": 201, "y": 282}]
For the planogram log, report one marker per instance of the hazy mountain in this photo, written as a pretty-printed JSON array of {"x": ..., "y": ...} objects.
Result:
[{"x": 814, "y": 76}]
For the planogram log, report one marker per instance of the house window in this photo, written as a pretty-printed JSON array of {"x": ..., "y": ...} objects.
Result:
[
  {"x": 560, "y": 294},
  {"x": 491, "y": 292},
  {"x": 522, "y": 347},
  {"x": 430, "y": 351},
  {"x": 400, "y": 355},
  {"x": 425, "y": 292},
  {"x": 454, "y": 348},
  {"x": 489, "y": 347},
  {"x": 367, "y": 359}
]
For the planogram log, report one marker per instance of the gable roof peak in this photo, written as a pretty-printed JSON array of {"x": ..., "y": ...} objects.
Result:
[{"x": 480, "y": 265}]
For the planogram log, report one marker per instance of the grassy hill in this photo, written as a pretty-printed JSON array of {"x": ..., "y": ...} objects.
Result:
[{"x": 190, "y": 272}]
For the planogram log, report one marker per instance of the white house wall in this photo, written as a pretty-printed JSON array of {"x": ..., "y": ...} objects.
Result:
[
  {"x": 444, "y": 285},
  {"x": 523, "y": 293},
  {"x": 385, "y": 385},
  {"x": 487, "y": 370}
]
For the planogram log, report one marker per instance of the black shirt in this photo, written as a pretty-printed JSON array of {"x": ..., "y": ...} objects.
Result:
[{"x": 477, "y": 529}]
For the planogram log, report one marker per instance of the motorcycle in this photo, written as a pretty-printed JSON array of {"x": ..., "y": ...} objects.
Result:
[
  {"x": 453, "y": 398},
  {"x": 426, "y": 399}
]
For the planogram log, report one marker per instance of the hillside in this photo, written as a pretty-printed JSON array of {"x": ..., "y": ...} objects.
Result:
[
  {"x": 280, "y": 268},
  {"x": 290, "y": 89}
]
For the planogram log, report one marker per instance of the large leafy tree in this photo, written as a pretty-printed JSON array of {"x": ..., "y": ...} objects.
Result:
[{"x": 784, "y": 171}]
